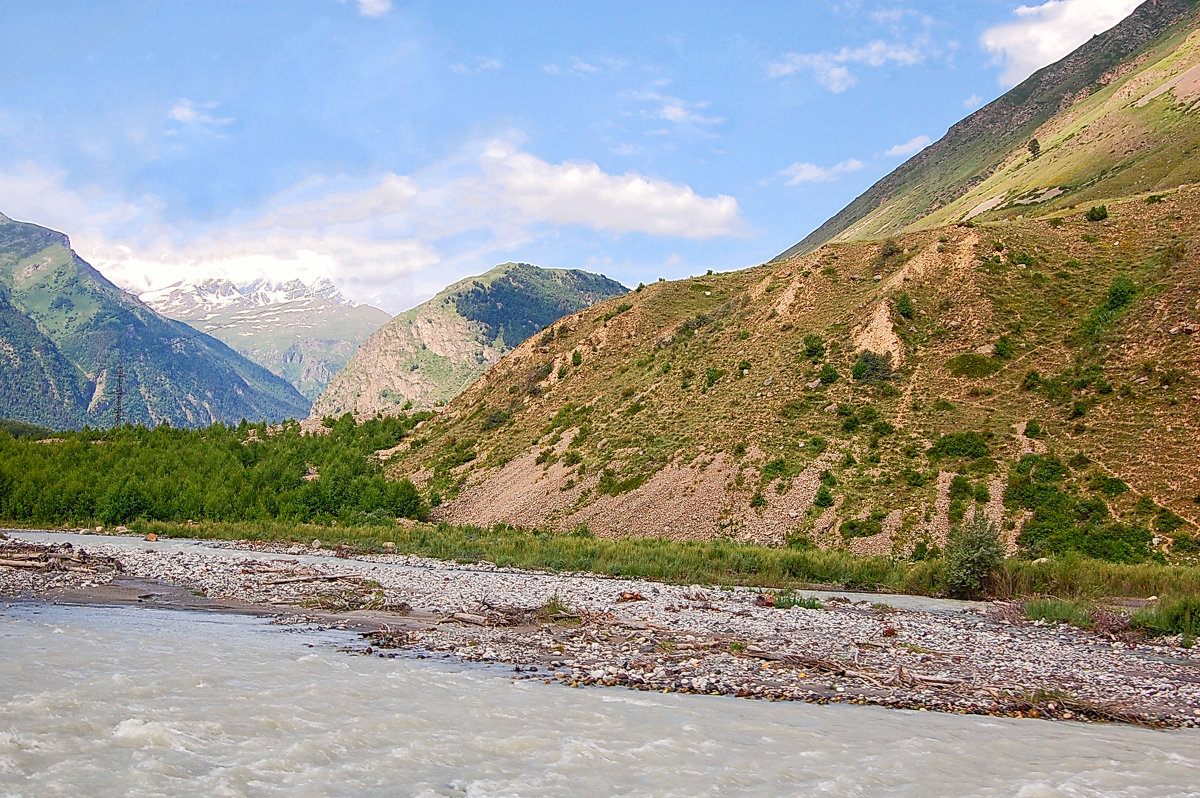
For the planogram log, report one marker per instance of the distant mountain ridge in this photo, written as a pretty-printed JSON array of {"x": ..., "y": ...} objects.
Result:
[
  {"x": 427, "y": 355},
  {"x": 976, "y": 148},
  {"x": 186, "y": 299},
  {"x": 69, "y": 338},
  {"x": 304, "y": 333}
]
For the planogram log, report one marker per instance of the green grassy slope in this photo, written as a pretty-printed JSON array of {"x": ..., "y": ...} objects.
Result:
[
  {"x": 973, "y": 150},
  {"x": 37, "y": 383},
  {"x": 305, "y": 345}
]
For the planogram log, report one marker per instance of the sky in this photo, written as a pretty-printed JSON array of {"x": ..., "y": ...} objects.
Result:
[{"x": 395, "y": 147}]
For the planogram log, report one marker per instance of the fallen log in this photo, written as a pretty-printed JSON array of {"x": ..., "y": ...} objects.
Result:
[
  {"x": 797, "y": 661},
  {"x": 39, "y": 564},
  {"x": 466, "y": 617},
  {"x": 315, "y": 578}
]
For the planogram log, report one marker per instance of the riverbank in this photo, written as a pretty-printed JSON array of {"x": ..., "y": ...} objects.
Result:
[{"x": 581, "y": 629}]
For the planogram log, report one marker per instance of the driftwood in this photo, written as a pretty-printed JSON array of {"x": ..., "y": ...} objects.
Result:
[
  {"x": 46, "y": 558},
  {"x": 903, "y": 677},
  {"x": 26, "y": 563},
  {"x": 314, "y": 578},
  {"x": 466, "y": 617},
  {"x": 900, "y": 678}
]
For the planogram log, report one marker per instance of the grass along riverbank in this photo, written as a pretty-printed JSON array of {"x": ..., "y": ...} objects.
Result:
[{"x": 716, "y": 562}]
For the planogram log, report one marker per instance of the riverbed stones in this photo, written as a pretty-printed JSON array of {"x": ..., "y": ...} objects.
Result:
[{"x": 947, "y": 657}]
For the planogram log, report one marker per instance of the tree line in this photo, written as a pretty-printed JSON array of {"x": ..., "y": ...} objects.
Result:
[{"x": 247, "y": 472}]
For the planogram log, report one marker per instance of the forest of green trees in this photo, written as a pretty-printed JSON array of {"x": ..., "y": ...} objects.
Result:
[{"x": 218, "y": 473}]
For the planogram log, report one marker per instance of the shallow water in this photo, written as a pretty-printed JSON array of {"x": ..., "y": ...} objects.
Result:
[{"x": 132, "y": 701}]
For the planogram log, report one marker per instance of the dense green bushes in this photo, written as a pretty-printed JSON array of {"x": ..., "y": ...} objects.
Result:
[
  {"x": 1063, "y": 522},
  {"x": 872, "y": 367},
  {"x": 960, "y": 444},
  {"x": 1175, "y": 615},
  {"x": 20, "y": 429},
  {"x": 217, "y": 473}
]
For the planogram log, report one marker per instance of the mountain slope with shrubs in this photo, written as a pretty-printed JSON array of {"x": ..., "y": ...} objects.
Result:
[
  {"x": 427, "y": 355},
  {"x": 1035, "y": 365},
  {"x": 1039, "y": 372}
]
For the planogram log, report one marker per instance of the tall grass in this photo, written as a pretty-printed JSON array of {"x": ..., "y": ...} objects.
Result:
[
  {"x": 1077, "y": 577},
  {"x": 718, "y": 562},
  {"x": 1056, "y": 610},
  {"x": 1176, "y": 615},
  {"x": 659, "y": 559}
]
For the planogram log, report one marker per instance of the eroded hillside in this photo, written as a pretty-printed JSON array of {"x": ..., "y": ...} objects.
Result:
[{"x": 1041, "y": 371}]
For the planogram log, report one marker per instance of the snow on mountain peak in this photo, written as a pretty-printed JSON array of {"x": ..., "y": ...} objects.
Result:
[{"x": 192, "y": 298}]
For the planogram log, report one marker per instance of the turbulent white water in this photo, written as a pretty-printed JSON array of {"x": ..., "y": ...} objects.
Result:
[{"x": 141, "y": 702}]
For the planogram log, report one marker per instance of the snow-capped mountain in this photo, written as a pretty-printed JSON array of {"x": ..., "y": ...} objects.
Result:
[
  {"x": 302, "y": 332},
  {"x": 196, "y": 300}
]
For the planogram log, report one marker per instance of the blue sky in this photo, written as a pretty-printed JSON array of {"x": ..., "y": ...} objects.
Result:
[{"x": 395, "y": 147}]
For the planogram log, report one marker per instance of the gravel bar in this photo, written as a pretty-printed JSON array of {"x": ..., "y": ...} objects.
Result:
[{"x": 583, "y": 629}]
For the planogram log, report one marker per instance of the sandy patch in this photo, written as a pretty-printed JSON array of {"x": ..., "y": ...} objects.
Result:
[
  {"x": 879, "y": 336},
  {"x": 985, "y": 206},
  {"x": 1042, "y": 196}
]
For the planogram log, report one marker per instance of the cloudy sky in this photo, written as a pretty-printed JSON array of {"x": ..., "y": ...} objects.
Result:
[{"x": 395, "y": 146}]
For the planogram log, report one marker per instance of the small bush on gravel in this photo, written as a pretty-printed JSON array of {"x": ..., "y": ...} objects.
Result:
[
  {"x": 787, "y": 599},
  {"x": 814, "y": 347},
  {"x": 973, "y": 551}
]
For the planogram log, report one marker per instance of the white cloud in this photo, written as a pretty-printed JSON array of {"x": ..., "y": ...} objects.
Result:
[
  {"x": 680, "y": 112},
  {"x": 910, "y": 147},
  {"x": 380, "y": 239},
  {"x": 888, "y": 15},
  {"x": 188, "y": 112},
  {"x": 972, "y": 102},
  {"x": 582, "y": 193},
  {"x": 799, "y": 173},
  {"x": 583, "y": 67},
  {"x": 32, "y": 194},
  {"x": 580, "y": 67},
  {"x": 1045, "y": 33},
  {"x": 374, "y": 8},
  {"x": 830, "y": 68},
  {"x": 481, "y": 65}
]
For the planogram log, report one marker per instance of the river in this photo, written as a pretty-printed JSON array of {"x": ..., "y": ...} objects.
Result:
[{"x": 132, "y": 701}]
